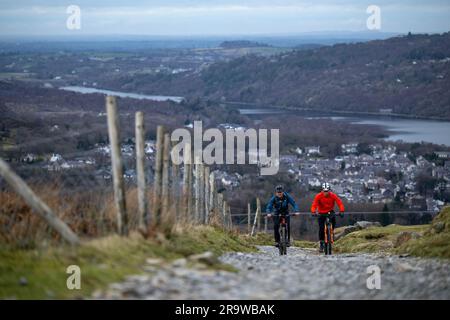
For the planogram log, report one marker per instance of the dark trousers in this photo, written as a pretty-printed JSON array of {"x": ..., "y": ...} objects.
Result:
[
  {"x": 276, "y": 227},
  {"x": 321, "y": 219}
]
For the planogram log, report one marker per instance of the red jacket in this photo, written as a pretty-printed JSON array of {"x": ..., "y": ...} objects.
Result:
[{"x": 325, "y": 204}]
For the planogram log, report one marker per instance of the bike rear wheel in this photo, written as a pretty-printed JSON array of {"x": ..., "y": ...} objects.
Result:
[
  {"x": 328, "y": 245},
  {"x": 283, "y": 245}
]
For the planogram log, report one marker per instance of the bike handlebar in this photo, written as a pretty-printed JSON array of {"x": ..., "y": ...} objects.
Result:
[
  {"x": 326, "y": 214},
  {"x": 300, "y": 213},
  {"x": 285, "y": 215}
]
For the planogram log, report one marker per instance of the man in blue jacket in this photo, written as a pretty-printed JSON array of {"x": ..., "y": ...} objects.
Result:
[{"x": 279, "y": 203}]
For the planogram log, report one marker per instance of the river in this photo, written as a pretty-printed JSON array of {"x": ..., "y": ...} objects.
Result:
[
  {"x": 408, "y": 130},
  {"x": 122, "y": 94}
]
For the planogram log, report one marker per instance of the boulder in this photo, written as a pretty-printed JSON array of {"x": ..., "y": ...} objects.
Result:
[
  {"x": 438, "y": 227},
  {"x": 154, "y": 261},
  {"x": 357, "y": 226},
  {"x": 179, "y": 263},
  {"x": 344, "y": 231},
  {"x": 367, "y": 224},
  {"x": 23, "y": 281},
  {"x": 405, "y": 236},
  {"x": 406, "y": 267},
  {"x": 206, "y": 257}
]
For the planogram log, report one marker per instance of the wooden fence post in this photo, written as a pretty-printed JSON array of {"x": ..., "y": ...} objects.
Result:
[
  {"x": 37, "y": 204},
  {"x": 201, "y": 181},
  {"x": 165, "y": 176},
  {"x": 220, "y": 206},
  {"x": 197, "y": 191},
  {"x": 230, "y": 220},
  {"x": 206, "y": 191},
  {"x": 189, "y": 193},
  {"x": 224, "y": 214},
  {"x": 144, "y": 221},
  {"x": 249, "y": 224},
  {"x": 117, "y": 165},
  {"x": 176, "y": 187},
  {"x": 158, "y": 174},
  {"x": 265, "y": 224},
  {"x": 186, "y": 187},
  {"x": 258, "y": 208},
  {"x": 212, "y": 193},
  {"x": 187, "y": 182}
]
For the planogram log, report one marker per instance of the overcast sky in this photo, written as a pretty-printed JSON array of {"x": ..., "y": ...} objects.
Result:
[{"x": 219, "y": 17}]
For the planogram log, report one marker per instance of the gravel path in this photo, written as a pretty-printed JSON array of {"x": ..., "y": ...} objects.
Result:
[{"x": 302, "y": 274}]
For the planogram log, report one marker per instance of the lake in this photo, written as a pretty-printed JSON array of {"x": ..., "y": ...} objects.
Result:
[
  {"x": 408, "y": 130},
  {"x": 122, "y": 94}
]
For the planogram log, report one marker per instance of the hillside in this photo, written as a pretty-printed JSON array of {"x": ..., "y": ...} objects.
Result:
[
  {"x": 421, "y": 240},
  {"x": 407, "y": 74},
  {"x": 241, "y": 44}
]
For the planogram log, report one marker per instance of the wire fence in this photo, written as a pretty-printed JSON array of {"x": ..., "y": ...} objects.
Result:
[
  {"x": 117, "y": 186},
  {"x": 111, "y": 184}
]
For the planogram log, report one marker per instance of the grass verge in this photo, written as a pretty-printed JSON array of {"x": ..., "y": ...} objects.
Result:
[
  {"x": 266, "y": 239},
  {"x": 374, "y": 239},
  {"x": 435, "y": 241},
  {"x": 431, "y": 240},
  {"x": 41, "y": 273}
]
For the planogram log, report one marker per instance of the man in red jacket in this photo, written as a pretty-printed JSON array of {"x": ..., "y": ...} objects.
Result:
[{"x": 324, "y": 203}]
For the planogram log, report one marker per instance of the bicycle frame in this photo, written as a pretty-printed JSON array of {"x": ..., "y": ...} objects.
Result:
[
  {"x": 329, "y": 226},
  {"x": 283, "y": 232},
  {"x": 283, "y": 235},
  {"x": 329, "y": 234},
  {"x": 283, "y": 220}
]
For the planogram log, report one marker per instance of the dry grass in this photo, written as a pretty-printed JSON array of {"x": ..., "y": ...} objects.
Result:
[{"x": 89, "y": 213}]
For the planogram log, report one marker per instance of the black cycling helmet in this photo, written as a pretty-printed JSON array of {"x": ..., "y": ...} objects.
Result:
[{"x": 279, "y": 188}]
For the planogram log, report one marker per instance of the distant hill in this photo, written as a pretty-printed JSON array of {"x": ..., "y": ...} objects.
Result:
[
  {"x": 406, "y": 75},
  {"x": 308, "y": 46},
  {"x": 242, "y": 44}
]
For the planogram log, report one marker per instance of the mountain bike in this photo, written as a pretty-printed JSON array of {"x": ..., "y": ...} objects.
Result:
[
  {"x": 329, "y": 233},
  {"x": 282, "y": 245},
  {"x": 283, "y": 231}
]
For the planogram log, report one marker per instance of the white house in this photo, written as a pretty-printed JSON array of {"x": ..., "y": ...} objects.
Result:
[
  {"x": 56, "y": 157},
  {"x": 312, "y": 150},
  {"x": 349, "y": 148}
]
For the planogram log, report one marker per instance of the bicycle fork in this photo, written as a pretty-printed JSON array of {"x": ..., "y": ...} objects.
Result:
[{"x": 328, "y": 225}]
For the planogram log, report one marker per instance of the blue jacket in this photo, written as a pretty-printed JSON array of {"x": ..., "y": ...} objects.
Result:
[{"x": 281, "y": 206}]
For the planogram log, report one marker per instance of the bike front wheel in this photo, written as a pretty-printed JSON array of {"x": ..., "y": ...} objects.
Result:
[
  {"x": 328, "y": 244},
  {"x": 283, "y": 244}
]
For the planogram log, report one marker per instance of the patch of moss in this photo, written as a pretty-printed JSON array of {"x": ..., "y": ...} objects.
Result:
[
  {"x": 266, "y": 239},
  {"x": 208, "y": 238},
  {"x": 435, "y": 241},
  {"x": 260, "y": 239},
  {"x": 305, "y": 244},
  {"x": 41, "y": 273},
  {"x": 374, "y": 239}
]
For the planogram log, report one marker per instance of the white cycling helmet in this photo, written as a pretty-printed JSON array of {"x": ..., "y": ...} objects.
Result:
[{"x": 326, "y": 186}]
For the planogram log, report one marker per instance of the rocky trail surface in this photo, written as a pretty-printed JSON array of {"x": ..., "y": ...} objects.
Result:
[{"x": 302, "y": 274}]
